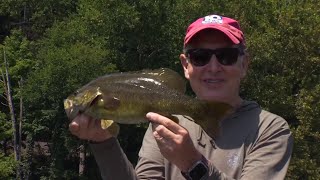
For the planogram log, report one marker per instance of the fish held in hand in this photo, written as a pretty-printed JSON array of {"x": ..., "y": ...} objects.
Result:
[{"x": 127, "y": 98}]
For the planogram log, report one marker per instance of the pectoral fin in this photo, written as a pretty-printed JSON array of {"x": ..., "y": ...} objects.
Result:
[{"x": 112, "y": 127}]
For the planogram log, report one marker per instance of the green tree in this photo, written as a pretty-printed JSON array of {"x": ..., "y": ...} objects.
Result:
[
  {"x": 68, "y": 58},
  {"x": 7, "y": 166},
  {"x": 35, "y": 16},
  {"x": 305, "y": 162},
  {"x": 7, "y": 162},
  {"x": 17, "y": 60}
]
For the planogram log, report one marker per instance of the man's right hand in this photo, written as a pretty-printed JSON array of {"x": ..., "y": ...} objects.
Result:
[{"x": 87, "y": 128}]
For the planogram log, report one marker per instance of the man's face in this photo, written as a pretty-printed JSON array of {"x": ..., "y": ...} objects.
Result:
[{"x": 214, "y": 81}]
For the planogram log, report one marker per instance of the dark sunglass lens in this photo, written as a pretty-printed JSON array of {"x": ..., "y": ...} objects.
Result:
[
  {"x": 199, "y": 57},
  {"x": 227, "y": 56}
]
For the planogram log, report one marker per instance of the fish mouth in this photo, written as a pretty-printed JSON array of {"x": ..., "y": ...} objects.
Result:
[
  {"x": 76, "y": 104},
  {"x": 71, "y": 109},
  {"x": 67, "y": 103}
]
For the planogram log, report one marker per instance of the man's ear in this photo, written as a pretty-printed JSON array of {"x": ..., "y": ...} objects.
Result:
[{"x": 184, "y": 63}]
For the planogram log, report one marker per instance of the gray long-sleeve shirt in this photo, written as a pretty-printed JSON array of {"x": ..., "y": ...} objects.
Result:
[{"x": 253, "y": 144}]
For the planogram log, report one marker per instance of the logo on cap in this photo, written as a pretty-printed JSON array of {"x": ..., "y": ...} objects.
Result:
[{"x": 212, "y": 19}]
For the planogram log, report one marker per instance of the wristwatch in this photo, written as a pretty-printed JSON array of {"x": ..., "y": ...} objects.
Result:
[{"x": 198, "y": 170}]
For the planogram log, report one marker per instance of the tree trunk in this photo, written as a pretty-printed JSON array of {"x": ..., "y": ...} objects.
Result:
[
  {"x": 82, "y": 157},
  {"x": 20, "y": 173},
  {"x": 15, "y": 125},
  {"x": 3, "y": 80}
]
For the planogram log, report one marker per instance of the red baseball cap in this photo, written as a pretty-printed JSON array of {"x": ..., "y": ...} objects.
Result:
[{"x": 228, "y": 26}]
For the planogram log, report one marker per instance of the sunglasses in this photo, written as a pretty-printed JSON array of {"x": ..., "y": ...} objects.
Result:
[{"x": 225, "y": 56}]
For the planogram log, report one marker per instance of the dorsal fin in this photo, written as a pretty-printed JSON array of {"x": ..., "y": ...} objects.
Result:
[
  {"x": 147, "y": 77},
  {"x": 167, "y": 77}
]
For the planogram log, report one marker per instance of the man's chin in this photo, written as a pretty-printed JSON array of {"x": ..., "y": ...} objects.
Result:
[{"x": 212, "y": 97}]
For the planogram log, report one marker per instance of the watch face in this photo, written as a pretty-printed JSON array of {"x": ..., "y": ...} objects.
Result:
[{"x": 198, "y": 171}]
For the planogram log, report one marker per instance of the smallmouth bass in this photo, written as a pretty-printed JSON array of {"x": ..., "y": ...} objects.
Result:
[{"x": 127, "y": 98}]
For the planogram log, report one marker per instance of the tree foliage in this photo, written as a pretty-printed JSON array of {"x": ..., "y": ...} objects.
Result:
[
  {"x": 57, "y": 46},
  {"x": 7, "y": 166}
]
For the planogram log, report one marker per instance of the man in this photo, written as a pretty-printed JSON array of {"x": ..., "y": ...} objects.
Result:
[{"x": 252, "y": 143}]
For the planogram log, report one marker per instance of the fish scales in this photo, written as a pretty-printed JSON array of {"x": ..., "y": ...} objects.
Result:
[{"x": 137, "y": 101}]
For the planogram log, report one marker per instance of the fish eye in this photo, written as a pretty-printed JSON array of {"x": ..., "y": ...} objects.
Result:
[{"x": 76, "y": 93}]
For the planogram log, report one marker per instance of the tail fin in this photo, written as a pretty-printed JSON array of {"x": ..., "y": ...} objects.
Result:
[
  {"x": 212, "y": 116},
  {"x": 219, "y": 109}
]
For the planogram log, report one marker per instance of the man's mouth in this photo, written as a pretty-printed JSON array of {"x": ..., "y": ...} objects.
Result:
[{"x": 213, "y": 80}]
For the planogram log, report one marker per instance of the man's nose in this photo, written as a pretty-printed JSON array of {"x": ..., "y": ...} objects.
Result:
[{"x": 214, "y": 64}]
